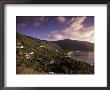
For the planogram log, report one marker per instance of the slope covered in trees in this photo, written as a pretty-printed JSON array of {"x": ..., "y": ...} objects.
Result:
[
  {"x": 35, "y": 56},
  {"x": 75, "y": 45}
]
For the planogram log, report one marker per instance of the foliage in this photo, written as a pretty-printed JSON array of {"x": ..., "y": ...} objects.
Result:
[
  {"x": 42, "y": 54},
  {"x": 74, "y": 45}
]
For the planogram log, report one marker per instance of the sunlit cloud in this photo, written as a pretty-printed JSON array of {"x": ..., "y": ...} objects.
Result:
[
  {"x": 42, "y": 18},
  {"x": 37, "y": 21},
  {"x": 56, "y": 35},
  {"x": 76, "y": 31},
  {"x": 86, "y": 34},
  {"x": 77, "y": 23},
  {"x": 74, "y": 28},
  {"x": 61, "y": 19}
]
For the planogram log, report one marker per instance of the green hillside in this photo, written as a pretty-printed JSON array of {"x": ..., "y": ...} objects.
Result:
[
  {"x": 35, "y": 56},
  {"x": 75, "y": 45}
]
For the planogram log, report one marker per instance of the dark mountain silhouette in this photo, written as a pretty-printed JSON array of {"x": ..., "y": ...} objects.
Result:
[{"x": 75, "y": 45}]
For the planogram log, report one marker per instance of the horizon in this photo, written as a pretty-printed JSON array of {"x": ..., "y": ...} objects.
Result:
[
  {"x": 53, "y": 41},
  {"x": 55, "y": 28}
]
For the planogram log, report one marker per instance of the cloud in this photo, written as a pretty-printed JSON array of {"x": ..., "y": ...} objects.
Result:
[
  {"x": 42, "y": 18},
  {"x": 37, "y": 21},
  {"x": 86, "y": 34},
  {"x": 56, "y": 35},
  {"x": 75, "y": 31},
  {"x": 61, "y": 19},
  {"x": 77, "y": 23},
  {"x": 21, "y": 25},
  {"x": 72, "y": 19},
  {"x": 36, "y": 24}
]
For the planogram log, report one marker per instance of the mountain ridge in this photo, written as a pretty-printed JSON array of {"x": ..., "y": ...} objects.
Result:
[
  {"x": 74, "y": 45},
  {"x": 68, "y": 44}
]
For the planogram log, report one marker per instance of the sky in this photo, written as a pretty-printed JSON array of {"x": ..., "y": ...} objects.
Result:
[{"x": 53, "y": 28}]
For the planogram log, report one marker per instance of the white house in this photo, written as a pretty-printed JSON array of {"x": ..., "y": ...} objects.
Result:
[
  {"x": 27, "y": 56},
  {"x": 42, "y": 46},
  {"x": 31, "y": 53},
  {"x": 51, "y": 72}
]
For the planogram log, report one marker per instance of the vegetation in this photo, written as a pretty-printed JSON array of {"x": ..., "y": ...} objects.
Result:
[
  {"x": 35, "y": 56},
  {"x": 74, "y": 45}
]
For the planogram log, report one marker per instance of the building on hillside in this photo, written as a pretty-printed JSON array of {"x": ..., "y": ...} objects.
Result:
[
  {"x": 51, "y": 72},
  {"x": 27, "y": 56},
  {"x": 42, "y": 46},
  {"x": 31, "y": 53},
  {"x": 52, "y": 61},
  {"x": 69, "y": 54},
  {"x": 19, "y": 45}
]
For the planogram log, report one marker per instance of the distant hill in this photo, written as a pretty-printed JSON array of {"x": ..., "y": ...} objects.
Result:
[
  {"x": 35, "y": 56},
  {"x": 75, "y": 45}
]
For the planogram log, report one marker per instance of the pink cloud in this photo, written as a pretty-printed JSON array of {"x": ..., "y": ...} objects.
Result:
[
  {"x": 37, "y": 21},
  {"x": 56, "y": 35},
  {"x": 77, "y": 23},
  {"x": 61, "y": 19},
  {"x": 36, "y": 24},
  {"x": 42, "y": 18},
  {"x": 75, "y": 31},
  {"x": 87, "y": 34}
]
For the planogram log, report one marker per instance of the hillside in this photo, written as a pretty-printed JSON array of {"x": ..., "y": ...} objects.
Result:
[
  {"x": 35, "y": 51},
  {"x": 35, "y": 56},
  {"x": 75, "y": 45}
]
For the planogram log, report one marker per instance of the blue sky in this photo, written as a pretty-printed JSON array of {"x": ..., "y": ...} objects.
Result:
[{"x": 53, "y": 28}]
